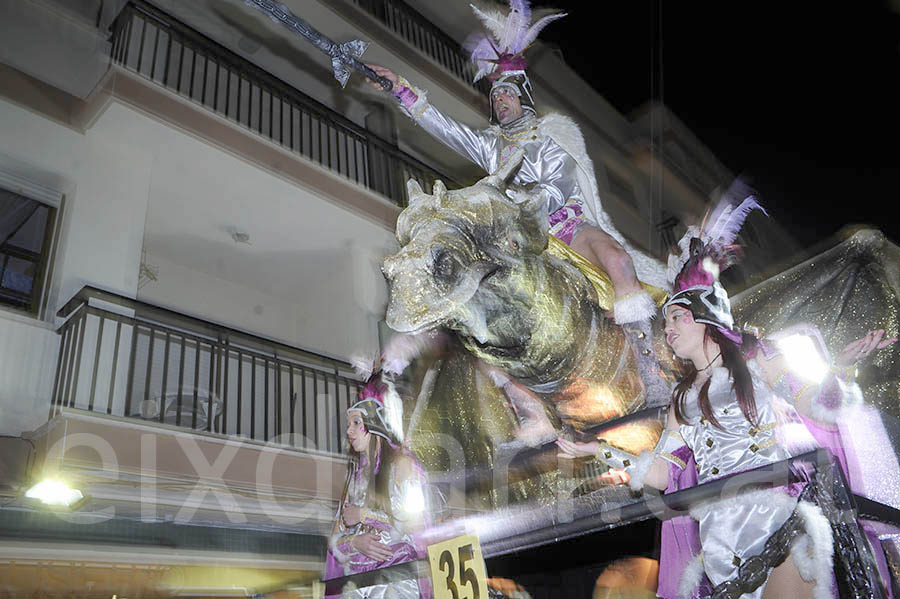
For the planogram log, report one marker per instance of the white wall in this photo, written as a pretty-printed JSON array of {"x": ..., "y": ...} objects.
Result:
[
  {"x": 103, "y": 176},
  {"x": 310, "y": 274},
  {"x": 310, "y": 277},
  {"x": 27, "y": 366},
  {"x": 328, "y": 318}
]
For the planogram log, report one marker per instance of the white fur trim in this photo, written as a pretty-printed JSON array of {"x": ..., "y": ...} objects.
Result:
[
  {"x": 818, "y": 542},
  {"x": 800, "y": 553},
  {"x": 563, "y": 130},
  {"x": 333, "y": 542},
  {"x": 638, "y": 472},
  {"x": 632, "y": 308},
  {"x": 851, "y": 398},
  {"x": 690, "y": 578}
]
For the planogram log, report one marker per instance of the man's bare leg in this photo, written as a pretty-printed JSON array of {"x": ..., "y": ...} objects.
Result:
[
  {"x": 633, "y": 308},
  {"x": 601, "y": 250}
]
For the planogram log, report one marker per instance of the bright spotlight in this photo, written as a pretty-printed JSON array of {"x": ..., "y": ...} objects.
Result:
[
  {"x": 413, "y": 499},
  {"x": 803, "y": 357},
  {"x": 55, "y": 493}
]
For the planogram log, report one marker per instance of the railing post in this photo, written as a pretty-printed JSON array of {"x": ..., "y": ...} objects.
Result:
[
  {"x": 63, "y": 341},
  {"x": 383, "y": 158},
  {"x": 275, "y": 358}
]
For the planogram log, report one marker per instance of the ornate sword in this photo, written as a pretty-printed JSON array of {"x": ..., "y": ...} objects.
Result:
[{"x": 343, "y": 56}]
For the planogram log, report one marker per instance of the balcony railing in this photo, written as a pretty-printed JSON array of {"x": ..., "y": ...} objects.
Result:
[
  {"x": 409, "y": 24},
  {"x": 160, "y": 366},
  {"x": 153, "y": 44}
]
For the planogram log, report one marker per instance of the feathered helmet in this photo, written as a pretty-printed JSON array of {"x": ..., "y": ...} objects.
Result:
[
  {"x": 704, "y": 253},
  {"x": 499, "y": 55},
  {"x": 380, "y": 406}
]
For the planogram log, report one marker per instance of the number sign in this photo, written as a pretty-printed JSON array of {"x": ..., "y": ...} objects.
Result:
[{"x": 457, "y": 569}]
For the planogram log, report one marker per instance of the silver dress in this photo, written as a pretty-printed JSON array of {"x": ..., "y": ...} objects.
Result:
[
  {"x": 395, "y": 530},
  {"x": 736, "y": 526}
]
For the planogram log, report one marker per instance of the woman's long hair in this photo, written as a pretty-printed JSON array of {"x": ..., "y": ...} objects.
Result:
[
  {"x": 732, "y": 359},
  {"x": 380, "y": 457}
]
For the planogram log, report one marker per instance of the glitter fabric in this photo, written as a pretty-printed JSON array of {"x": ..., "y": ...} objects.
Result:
[
  {"x": 475, "y": 262},
  {"x": 844, "y": 292}
]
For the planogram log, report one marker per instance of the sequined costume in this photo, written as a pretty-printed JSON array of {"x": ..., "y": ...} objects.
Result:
[
  {"x": 735, "y": 529},
  {"x": 395, "y": 530},
  {"x": 398, "y": 514},
  {"x": 743, "y": 534},
  {"x": 555, "y": 160},
  {"x": 837, "y": 406}
]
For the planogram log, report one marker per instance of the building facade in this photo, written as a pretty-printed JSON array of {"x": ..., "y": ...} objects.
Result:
[{"x": 194, "y": 217}]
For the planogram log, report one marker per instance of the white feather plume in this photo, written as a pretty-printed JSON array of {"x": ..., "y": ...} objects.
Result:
[
  {"x": 363, "y": 365},
  {"x": 494, "y": 20},
  {"x": 538, "y": 26},
  {"x": 728, "y": 223},
  {"x": 512, "y": 32}
]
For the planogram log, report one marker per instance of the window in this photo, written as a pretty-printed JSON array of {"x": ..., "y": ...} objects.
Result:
[{"x": 26, "y": 229}]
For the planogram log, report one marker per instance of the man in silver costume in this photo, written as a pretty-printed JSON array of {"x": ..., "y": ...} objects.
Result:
[{"x": 555, "y": 161}]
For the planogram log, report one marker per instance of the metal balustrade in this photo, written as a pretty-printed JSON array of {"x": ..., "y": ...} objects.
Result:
[
  {"x": 153, "y": 44},
  {"x": 161, "y": 366},
  {"x": 408, "y": 23}
]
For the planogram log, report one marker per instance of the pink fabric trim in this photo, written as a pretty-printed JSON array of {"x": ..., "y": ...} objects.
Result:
[
  {"x": 402, "y": 552},
  {"x": 830, "y": 395},
  {"x": 406, "y": 96},
  {"x": 345, "y": 547},
  {"x": 564, "y": 222},
  {"x": 731, "y": 334},
  {"x": 680, "y": 536},
  {"x": 376, "y": 524}
]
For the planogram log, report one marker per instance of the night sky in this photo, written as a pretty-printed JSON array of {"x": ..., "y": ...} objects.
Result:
[{"x": 799, "y": 97}]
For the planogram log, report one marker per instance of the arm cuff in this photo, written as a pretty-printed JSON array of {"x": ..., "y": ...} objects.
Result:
[
  {"x": 413, "y": 101},
  {"x": 638, "y": 472},
  {"x": 340, "y": 546},
  {"x": 613, "y": 457}
]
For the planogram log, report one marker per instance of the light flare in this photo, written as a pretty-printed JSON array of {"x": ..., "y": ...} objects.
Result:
[{"x": 803, "y": 357}]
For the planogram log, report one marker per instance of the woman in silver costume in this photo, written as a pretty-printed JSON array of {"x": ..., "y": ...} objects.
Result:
[
  {"x": 728, "y": 414},
  {"x": 383, "y": 504}
]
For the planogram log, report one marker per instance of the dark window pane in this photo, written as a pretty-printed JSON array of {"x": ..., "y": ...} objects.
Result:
[
  {"x": 24, "y": 226},
  {"x": 18, "y": 275},
  {"x": 31, "y": 235}
]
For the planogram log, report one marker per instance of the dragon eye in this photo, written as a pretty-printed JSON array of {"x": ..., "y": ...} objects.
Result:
[{"x": 443, "y": 265}]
